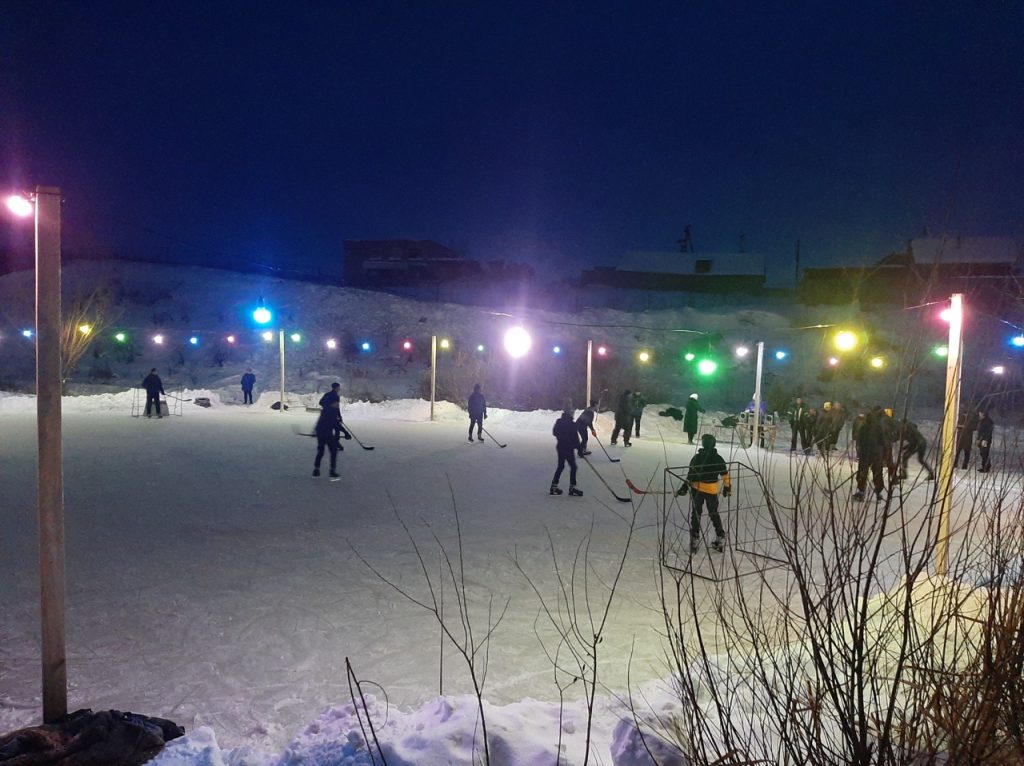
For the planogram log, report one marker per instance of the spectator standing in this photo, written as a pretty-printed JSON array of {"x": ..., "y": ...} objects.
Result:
[
  {"x": 477, "y": 407},
  {"x": 248, "y": 382},
  {"x": 637, "y": 411},
  {"x": 690, "y": 417},
  {"x": 986, "y": 428},
  {"x": 965, "y": 436},
  {"x": 623, "y": 418},
  {"x": 798, "y": 424},
  {"x": 154, "y": 388}
]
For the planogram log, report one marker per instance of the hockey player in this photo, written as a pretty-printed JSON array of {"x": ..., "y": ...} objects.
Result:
[
  {"x": 637, "y": 410},
  {"x": 623, "y": 418},
  {"x": 912, "y": 442},
  {"x": 585, "y": 423},
  {"x": 702, "y": 482},
  {"x": 329, "y": 430},
  {"x": 871, "y": 449},
  {"x": 154, "y": 387},
  {"x": 477, "y": 407},
  {"x": 985, "y": 430},
  {"x": 568, "y": 442},
  {"x": 690, "y": 418}
]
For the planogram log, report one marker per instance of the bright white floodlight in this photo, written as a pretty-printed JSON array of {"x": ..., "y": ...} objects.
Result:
[
  {"x": 20, "y": 206},
  {"x": 517, "y": 342}
]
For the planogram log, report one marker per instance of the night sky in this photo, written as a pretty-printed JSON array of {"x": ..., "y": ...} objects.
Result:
[{"x": 557, "y": 133}]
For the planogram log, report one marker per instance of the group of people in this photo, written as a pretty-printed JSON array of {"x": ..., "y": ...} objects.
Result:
[{"x": 883, "y": 443}]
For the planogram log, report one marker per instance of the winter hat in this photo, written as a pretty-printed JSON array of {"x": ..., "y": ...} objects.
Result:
[
  {"x": 335, "y": 385},
  {"x": 707, "y": 441},
  {"x": 693, "y": 396}
]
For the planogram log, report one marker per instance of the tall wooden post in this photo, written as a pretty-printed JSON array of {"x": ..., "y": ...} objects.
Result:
[
  {"x": 950, "y": 419},
  {"x": 280, "y": 345},
  {"x": 590, "y": 366},
  {"x": 433, "y": 374},
  {"x": 757, "y": 394},
  {"x": 51, "y": 470}
]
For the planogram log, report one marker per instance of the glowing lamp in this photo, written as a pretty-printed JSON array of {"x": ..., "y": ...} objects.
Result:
[
  {"x": 998, "y": 369},
  {"x": 85, "y": 329},
  {"x": 158, "y": 339},
  {"x": 742, "y": 351},
  {"x": 845, "y": 340},
  {"x": 946, "y": 314},
  {"x": 1017, "y": 341},
  {"x": 877, "y": 362},
  {"x": 20, "y": 206},
  {"x": 120, "y": 337},
  {"x": 296, "y": 337},
  {"x": 407, "y": 345},
  {"x": 365, "y": 345},
  {"x": 602, "y": 351},
  {"x": 332, "y": 343},
  {"x": 26, "y": 333},
  {"x": 941, "y": 351},
  {"x": 230, "y": 339},
  {"x": 194, "y": 340},
  {"x": 644, "y": 356},
  {"x": 445, "y": 343},
  {"x": 689, "y": 356},
  {"x": 780, "y": 355},
  {"x": 707, "y": 366},
  {"x": 833, "y": 361},
  {"x": 517, "y": 342},
  {"x": 556, "y": 350},
  {"x": 267, "y": 336},
  {"x": 262, "y": 314},
  {"x": 480, "y": 347}
]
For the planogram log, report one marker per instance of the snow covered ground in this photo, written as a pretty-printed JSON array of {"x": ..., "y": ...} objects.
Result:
[{"x": 212, "y": 581}]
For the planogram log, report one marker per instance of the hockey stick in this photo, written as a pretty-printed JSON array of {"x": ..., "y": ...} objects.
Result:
[
  {"x": 606, "y": 484},
  {"x": 357, "y": 439},
  {"x": 637, "y": 490},
  {"x": 492, "y": 438},
  {"x": 610, "y": 458},
  {"x": 172, "y": 396}
]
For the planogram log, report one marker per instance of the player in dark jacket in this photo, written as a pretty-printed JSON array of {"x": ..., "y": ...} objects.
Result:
[
  {"x": 329, "y": 430},
  {"x": 912, "y": 442},
  {"x": 637, "y": 410},
  {"x": 690, "y": 417},
  {"x": 986, "y": 429},
  {"x": 333, "y": 395},
  {"x": 623, "y": 418},
  {"x": 248, "y": 381},
  {"x": 871, "y": 449},
  {"x": 477, "y": 407},
  {"x": 702, "y": 482},
  {"x": 154, "y": 387},
  {"x": 965, "y": 436},
  {"x": 585, "y": 423},
  {"x": 798, "y": 424},
  {"x": 568, "y": 442}
]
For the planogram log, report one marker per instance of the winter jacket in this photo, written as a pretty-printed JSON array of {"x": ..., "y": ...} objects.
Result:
[
  {"x": 477, "y": 405},
  {"x": 637, "y": 405},
  {"x": 985, "y": 430},
  {"x": 329, "y": 397},
  {"x": 871, "y": 441},
  {"x": 912, "y": 438},
  {"x": 624, "y": 410},
  {"x": 329, "y": 426},
  {"x": 586, "y": 420},
  {"x": 705, "y": 468},
  {"x": 566, "y": 434},
  {"x": 248, "y": 381},
  {"x": 153, "y": 384},
  {"x": 690, "y": 418}
]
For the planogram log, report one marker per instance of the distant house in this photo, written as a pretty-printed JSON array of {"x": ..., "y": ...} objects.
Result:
[
  {"x": 930, "y": 268},
  {"x": 398, "y": 262},
  {"x": 682, "y": 272}
]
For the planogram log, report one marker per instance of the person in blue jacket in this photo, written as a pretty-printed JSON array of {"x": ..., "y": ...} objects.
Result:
[{"x": 248, "y": 381}]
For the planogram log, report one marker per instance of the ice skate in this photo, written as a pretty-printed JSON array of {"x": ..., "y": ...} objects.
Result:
[
  {"x": 316, "y": 472},
  {"x": 479, "y": 438},
  {"x": 858, "y": 495},
  {"x": 718, "y": 545},
  {"x": 334, "y": 476},
  {"x": 471, "y": 438},
  {"x": 574, "y": 492},
  {"x": 554, "y": 490},
  {"x": 694, "y": 546}
]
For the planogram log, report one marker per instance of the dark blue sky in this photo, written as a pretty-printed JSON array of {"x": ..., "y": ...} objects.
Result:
[{"x": 559, "y": 133}]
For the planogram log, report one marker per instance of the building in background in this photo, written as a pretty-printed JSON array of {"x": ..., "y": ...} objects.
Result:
[
  {"x": 403, "y": 262},
  {"x": 722, "y": 273}
]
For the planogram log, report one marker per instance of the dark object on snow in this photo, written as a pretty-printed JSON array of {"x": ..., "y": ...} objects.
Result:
[
  {"x": 85, "y": 738},
  {"x": 730, "y": 421},
  {"x": 277, "y": 406},
  {"x": 203, "y": 401},
  {"x": 672, "y": 412}
]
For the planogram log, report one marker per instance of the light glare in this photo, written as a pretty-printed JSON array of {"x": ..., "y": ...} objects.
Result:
[
  {"x": 158, "y": 339},
  {"x": 742, "y": 351},
  {"x": 268, "y": 335},
  {"x": 998, "y": 369},
  {"x": 845, "y": 340},
  {"x": 20, "y": 206},
  {"x": 332, "y": 343},
  {"x": 517, "y": 342},
  {"x": 296, "y": 337}
]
